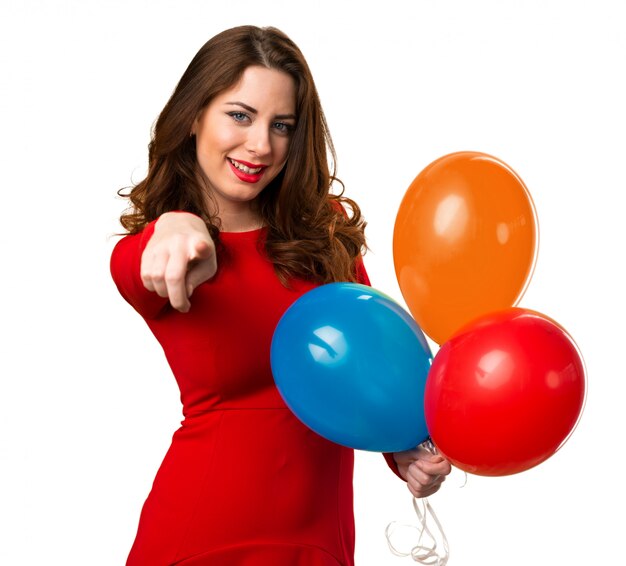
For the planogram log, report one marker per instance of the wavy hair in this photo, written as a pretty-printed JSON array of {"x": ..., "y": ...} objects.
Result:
[{"x": 311, "y": 232}]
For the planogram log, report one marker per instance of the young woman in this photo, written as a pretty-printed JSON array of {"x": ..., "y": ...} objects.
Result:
[{"x": 234, "y": 221}]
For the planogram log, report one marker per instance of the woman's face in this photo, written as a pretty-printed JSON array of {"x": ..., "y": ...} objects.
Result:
[{"x": 242, "y": 136}]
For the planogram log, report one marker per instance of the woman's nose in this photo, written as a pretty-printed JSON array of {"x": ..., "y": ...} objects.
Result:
[{"x": 258, "y": 142}]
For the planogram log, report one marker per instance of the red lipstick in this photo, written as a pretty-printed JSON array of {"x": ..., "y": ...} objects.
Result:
[{"x": 247, "y": 177}]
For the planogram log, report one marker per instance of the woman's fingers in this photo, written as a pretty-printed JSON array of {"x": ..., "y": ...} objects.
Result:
[
  {"x": 434, "y": 466},
  {"x": 153, "y": 266},
  {"x": 406, "y": 457},
  {"x": 175, "y": 280},
  {"x": 179, "y": 256},
  {"x": 202, "y": 266},
  {"x": 420, "y": 491},
  {"x": 422, "y": 483},
  {"x": 423, "y": 471},
  {"x": 424, "y": 478}
]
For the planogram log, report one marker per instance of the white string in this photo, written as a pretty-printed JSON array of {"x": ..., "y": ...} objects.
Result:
[
  {"x": 426, "y": 550},
  {"x": 465, "y": 481}
]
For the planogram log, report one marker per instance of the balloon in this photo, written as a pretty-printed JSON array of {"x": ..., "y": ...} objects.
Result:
[
  {"x": 465, "y": 241},
  {"x": 504, "y": 393},
  {"x": 351, "y": 364}
]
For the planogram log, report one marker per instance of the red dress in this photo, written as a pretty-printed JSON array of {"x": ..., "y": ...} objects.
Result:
[{"x": 244, "y": 481}]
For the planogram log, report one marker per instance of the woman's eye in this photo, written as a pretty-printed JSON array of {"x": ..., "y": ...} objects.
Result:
[
  {"x": 238, "y": 116},
  {"x": 283, "y": 127}
]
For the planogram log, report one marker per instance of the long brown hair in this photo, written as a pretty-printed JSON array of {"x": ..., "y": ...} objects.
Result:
[{"x": 311, "y": 232}]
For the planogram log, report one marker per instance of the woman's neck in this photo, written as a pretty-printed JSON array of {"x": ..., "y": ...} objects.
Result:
[{"x": 240, "y": 221}]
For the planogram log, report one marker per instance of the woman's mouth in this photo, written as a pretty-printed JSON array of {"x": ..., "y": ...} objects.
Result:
[
  {"x": 245, "y": 167},
  {"x": 247, "y": 172}
]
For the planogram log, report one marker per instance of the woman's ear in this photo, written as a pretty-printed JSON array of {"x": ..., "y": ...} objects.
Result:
[{"x": 195, "y": 123}]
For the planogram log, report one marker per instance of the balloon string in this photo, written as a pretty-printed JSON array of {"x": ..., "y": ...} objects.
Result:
[
  {"x": 430, "y": 446},
  {"x": 425, "y": 551},
  {"x": 465, "y": 481}
]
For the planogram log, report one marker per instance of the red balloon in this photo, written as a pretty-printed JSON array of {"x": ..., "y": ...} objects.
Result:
[{"x": 504, "y": 393}]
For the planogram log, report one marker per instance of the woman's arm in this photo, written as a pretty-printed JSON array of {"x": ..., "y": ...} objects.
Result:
[{"x": 164, "y": 263}]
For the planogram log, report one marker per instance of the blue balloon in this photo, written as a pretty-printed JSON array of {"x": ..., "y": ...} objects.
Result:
[{"x": 351, "y": 364}]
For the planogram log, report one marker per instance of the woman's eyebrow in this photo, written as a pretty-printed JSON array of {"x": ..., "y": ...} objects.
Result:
[
  {"x": 255, "y": 111},
  {"x": 248, "y": 108}
]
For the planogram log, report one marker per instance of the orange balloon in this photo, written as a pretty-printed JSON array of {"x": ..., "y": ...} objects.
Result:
[{"x": 464, "y": 242}]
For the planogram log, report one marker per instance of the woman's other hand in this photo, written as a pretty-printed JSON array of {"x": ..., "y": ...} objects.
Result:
[
  {"x": 179, "y": 256},
  {"x": 423, "y": 471}
]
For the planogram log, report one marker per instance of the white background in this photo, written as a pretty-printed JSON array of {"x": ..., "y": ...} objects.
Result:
[{"x": 87, "y": 402}]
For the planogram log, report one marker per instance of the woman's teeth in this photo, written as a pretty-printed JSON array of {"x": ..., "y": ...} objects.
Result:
[{"x": 245, "y": 168}]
